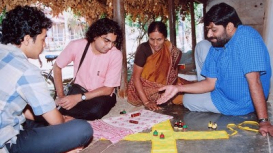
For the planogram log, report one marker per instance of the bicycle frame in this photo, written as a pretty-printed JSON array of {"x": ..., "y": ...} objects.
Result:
[{"x": 49, "y": 77}]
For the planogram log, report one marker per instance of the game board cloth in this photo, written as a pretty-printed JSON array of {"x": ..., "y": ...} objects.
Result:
[{"x": 116, "y": 128}]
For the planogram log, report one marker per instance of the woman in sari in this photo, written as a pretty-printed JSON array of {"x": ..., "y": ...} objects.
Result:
[{"x": 155, "y": 65}]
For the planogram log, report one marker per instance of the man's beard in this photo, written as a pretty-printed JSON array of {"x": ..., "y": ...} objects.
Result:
[{"x": 221, "y": 40}]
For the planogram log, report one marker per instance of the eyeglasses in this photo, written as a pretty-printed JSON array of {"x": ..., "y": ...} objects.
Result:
[{"x": 107, "y": 41}]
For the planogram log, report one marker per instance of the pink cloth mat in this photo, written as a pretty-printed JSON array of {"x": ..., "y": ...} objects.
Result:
[{"x": 116, "y": 128}]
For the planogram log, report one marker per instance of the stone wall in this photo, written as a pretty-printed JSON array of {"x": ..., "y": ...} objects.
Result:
[
  {"x": 268, "y": 34},
  {"x": 251, "y": 12}
]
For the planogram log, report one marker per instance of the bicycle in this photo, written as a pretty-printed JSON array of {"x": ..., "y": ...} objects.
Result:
[{"x": 47, "y": 74}]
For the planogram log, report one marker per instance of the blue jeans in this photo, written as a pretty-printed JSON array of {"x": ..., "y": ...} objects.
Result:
[{"x": 52, "y": 139}]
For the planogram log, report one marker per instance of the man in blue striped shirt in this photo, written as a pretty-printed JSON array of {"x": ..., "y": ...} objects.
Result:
[
  {"x": 237, "y": 70},
  {"x": 24, "y": 93}
]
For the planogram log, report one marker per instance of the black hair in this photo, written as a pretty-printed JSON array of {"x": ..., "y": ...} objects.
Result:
[
  {"x": 102, "y": 27},
  {"x": 22, "y": 21},
  {"x": 222, "y": 14},
  {"x": 158, "y": 26}
]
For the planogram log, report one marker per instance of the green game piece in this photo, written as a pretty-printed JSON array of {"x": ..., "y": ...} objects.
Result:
[
  {"x": 123, "y": 112},
  {"x": 155, "y": 133}
]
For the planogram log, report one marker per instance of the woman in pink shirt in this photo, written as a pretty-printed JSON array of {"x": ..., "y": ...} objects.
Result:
[{"x": 99, "y": 73}]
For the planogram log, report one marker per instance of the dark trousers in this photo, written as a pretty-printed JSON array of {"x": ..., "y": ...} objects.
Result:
[
  {"x": 52, "y": 139},
  {"x": 92, "y": 109}
]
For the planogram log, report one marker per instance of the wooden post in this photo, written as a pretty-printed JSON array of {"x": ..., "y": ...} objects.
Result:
[
  {"x": 204, "y": 12},
  {"x": 119, "y": 16},
  {"x": 193, "y": 33},
  {"x": 171, "y": 10}
]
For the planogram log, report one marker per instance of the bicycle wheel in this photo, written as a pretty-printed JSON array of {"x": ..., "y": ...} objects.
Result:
[{"x": 50, "y": 83}]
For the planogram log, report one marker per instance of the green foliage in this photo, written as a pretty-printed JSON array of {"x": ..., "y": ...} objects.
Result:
[
  {"x": 104, "y": 15},
  {"x": 2, "y": 15},
  {"x": 198, "y": 12},
  {"x": 129, "y": 21}
]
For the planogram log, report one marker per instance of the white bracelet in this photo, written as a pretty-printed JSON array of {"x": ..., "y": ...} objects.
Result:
[{"x": 145, "y": 103}]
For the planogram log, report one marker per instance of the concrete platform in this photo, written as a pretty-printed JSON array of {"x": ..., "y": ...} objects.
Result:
[{"x": 243, "y": 142}]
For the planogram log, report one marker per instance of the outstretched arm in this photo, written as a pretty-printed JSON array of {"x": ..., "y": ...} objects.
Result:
[
  {"x": 258, "y": 98},
  {"x": 52, "y": 117},
  {"x": 203, "y": 86}
]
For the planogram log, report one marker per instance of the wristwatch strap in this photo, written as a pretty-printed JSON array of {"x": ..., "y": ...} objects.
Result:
[{"x": 263, "y": 120}]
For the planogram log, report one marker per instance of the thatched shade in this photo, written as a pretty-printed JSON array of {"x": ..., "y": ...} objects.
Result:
[{"x": 94, "y": 9}]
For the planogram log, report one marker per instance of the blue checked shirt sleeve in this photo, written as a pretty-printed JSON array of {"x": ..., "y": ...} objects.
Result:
[
  {"x": 253, "y": 56},
  {"x": 33, "y": 89}
]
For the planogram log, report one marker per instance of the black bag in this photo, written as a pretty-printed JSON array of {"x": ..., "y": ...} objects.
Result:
[{"x": 73, "y": 89}]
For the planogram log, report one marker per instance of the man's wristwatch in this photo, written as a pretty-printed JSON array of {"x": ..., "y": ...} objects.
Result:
[
  {"x": 83, "y": 96},
  {"x": 263, "y": 120}
]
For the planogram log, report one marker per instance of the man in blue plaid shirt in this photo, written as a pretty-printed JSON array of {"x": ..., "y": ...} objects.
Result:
[
  {"x": 24, "y": 93},
  {"x": 237, "y": 70}
]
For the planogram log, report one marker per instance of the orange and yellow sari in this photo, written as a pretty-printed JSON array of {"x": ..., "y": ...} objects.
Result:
[{"x": 159, "y": 70}]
